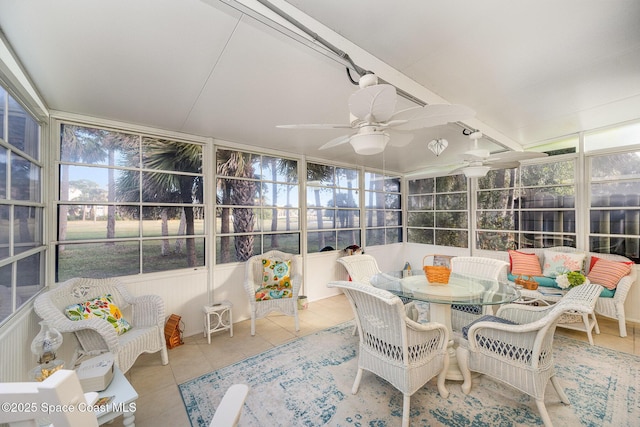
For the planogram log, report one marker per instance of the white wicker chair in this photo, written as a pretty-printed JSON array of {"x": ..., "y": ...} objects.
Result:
[
  {"x": 521, "y": 355},
  {"x": 229, "y": 410},
  {"x": 612, "y": 308},
  {"x": 253, "y": 280},
  {"x": 404, "y": 353},
  {"x": 485, "y": 268},
  {"x": 96, "y": 335},
  {"x": 362, "y": 267}
]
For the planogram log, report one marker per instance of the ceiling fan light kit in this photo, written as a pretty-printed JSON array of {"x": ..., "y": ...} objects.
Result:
[
  {"x": 476, "y": 171},
  {"x": 368, "y": 144}
]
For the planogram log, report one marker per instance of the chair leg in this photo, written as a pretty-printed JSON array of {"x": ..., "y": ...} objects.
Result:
[
  {"x": 406, "y": 410},
  {"x": 297, "y": 321},
  {"x": 543, "y": 413},
  {"x": 253, "y": 323},
  {"x": 164, "y": 354},
  {"x": 556, "y": 384},
  {"x": 356, "y": 383},
  {"x": 623, "y": 327},
  {"x": 442, "y": 376},
  {"x": 462, "y": 354}
]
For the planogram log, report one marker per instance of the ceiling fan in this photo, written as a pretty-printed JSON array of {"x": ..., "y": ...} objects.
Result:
[
  {"x": 375, "y": 123},
  {"x": 477, "y": 162}
]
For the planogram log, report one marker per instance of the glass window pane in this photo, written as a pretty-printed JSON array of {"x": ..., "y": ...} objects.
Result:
[
  {"x": 25, "y": 179},
  {"x": 320, "y": 175},
  {"x": 158, "y": 187},
  {"x": 420, "y": 219},
  {"x": 494, "y": 241},
  {"x": 619, "y": 136},
  {"x": 445, "y": 184},
  {"x": 238, "y": 192},
  {"x": 279, "y": 219},
  {"x": 616, "y": 194},
  {"x": 99, "y": 146},
  {"x": 346, "y": 199},
  {"x": 236, "y": 163},
  {"x": 279, "y": 194},
  {"x": 320, "y": 196},
  {"x": 495, "y": 199},
  {"x": 421, "y": 186},
  {"x": 455, "y": 238},
  {"x": 88, "y": 222},
  {"x": 280, "y": 170},
  {"x": 3, "y": 173},
  {"x": 451, "y": 219},
  {"x": 420, "y": 202},
  {"x": 616, "y": 166},
  {"x": 498, "y": 178},
  {"x": 548, "y": 221},
  {"x": 548, "y": 173},
  {"x": 451, "y": 201},
  {"x": 393, "y": 235},
  {"x": 416, "y": 235},
  {"x": 3, "y": 97},
  {"x": 317, "y": 241},
  {"x": 167, "y": 155},
  {"x": 548, "y": 197},
  {"x": 30, "y": 277},
  {"x": 27, "y": 233},
  {"x": 285, "y": 242},
  {"x": 166, "y": 220},
  {"x": 495, "y": 220},
  {"x": 347, "y": 178},
  {"x": 348, "y": 238},
  {"x": 23, "y": 131},
  {"x": 99, "y": 260},
  {"x": 172, "y": 254},
  {"x": 5, "y": 226},
  {"x": 347, "y": 218}
]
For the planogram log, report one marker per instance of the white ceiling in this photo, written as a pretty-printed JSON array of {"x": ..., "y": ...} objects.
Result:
[{"x": 531, "y": 69}]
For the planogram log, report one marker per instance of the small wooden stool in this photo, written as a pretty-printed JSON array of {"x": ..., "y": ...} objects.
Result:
[{"x": 217, "y": 317}]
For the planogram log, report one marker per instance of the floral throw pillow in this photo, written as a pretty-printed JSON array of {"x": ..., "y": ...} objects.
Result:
[
  {"x": 101, "y": 307},
  {"x": 276, "y": 280},
  {"x": 557, "y": 263}
]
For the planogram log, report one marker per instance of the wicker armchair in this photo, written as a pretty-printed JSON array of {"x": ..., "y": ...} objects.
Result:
[
  {"x": 362, "y": 267},
  {"x": 484, "y": 268},
  {"x": 97, "y": 335},
  {"x": 254, "y": 280},
  {"x": 404, "y": 353},
  {"x": 521, "y": 354}
]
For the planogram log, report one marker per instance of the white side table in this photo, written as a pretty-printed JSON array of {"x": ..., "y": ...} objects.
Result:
[
  {"x": 218, "y": 317},
  {"x": 123, "y": 402}
]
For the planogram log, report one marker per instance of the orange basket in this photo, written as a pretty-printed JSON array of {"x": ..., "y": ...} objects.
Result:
[
  {"x": 529, "y": 283},
  {"x": 440, "y": 271}
]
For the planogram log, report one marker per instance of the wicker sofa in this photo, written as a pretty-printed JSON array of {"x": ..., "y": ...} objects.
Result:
[{"x": 609, "y": 304}]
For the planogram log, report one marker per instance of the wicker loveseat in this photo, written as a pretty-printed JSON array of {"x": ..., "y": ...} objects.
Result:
[{"x": 611, "y": 302}]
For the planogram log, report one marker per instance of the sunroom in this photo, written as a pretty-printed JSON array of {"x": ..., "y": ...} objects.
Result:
[{"x": 148, "y": 149}]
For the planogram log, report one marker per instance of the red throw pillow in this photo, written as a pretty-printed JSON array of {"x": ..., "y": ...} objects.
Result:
[
  {"x": 608, "y": 273},
  {"x": 525, "y": 264}
]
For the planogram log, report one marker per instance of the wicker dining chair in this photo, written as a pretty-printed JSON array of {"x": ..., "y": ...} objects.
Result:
[
  {"x": 266, "y": 296},
  {"x": 483, "y": 268},
  {"x": 97, "y": 335},
  {"x": 394, "y": 347},
  {"x": 519, "y": 352}
]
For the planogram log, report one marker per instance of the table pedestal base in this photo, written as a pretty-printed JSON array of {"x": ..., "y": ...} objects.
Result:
[{"x": 441, "y": 313}]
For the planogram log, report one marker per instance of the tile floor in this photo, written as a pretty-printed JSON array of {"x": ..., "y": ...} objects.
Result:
[{"x": 160, "y": 403}]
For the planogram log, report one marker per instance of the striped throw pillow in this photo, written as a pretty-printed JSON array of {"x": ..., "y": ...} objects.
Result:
[
  {"x": 526, "y": 264},
  {"x": 608, "y": 273}
]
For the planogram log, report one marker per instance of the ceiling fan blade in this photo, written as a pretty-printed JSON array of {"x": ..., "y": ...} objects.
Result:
[
  {"x": 514, "y": 156},
  {"x": 336, "y": 141},
  {"x": 373, "y": 104},
  {"x": 502, "y": 165},
  {"x": 432, "y": 115},
  {"x": 315, "y": 126}
]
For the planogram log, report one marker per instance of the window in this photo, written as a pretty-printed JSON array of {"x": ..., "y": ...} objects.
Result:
[
  {"x": 333, "y": 207},
  {"x": 437, "y": 211},
  {"x": 614, "y": 225},
  {"x": 532, "y": 206},
  {"x": 128, "y": 204},
  {"x": 383, "y": 209},
  {"x": 22, "y": 248},
  {"x": 257, "y": 201}
]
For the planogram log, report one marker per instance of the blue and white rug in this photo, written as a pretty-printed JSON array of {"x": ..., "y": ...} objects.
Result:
[{"x": 307, "y": 382}]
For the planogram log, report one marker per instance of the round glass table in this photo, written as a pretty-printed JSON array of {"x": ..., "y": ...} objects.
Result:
[{"x": 462, "y": 290}]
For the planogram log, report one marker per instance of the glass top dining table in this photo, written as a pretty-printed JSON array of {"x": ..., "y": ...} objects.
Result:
[{"x": 462, "y": 289}]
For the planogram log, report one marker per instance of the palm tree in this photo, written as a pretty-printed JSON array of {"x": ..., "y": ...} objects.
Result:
[{"x": 236, "y": 192}]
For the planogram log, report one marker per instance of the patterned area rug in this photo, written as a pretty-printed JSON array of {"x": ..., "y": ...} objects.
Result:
[{"x": 307, "y": 382}]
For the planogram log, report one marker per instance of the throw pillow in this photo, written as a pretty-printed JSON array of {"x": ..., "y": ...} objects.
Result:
[
  {"x": 556, "y": 263},
  {"x": 101, "y": 307},
  {"x": 608, "y": 273},
  {"x": 525, "y": 264},
  {"x": 594, "y": 259},
  {"x": 276, "y": 280}
]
